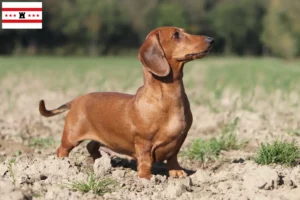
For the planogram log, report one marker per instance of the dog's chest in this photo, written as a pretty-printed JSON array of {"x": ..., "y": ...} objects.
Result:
[
  {"x": 172, "y": 134},
  {"x": 178, "y": 122}
]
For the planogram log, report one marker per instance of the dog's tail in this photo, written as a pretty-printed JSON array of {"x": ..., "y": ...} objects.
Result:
[{"x": 50, "y": 113}]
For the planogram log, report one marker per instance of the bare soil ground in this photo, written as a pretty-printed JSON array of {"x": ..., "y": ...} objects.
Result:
[{"x": 36, "y": 173}]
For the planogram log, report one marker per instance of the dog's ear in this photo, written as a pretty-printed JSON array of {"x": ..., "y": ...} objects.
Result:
[{"x": 153, "y": 57}]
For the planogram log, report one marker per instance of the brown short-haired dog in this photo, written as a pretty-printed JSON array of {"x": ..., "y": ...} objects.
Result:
[{"x": 149, "y": 126}]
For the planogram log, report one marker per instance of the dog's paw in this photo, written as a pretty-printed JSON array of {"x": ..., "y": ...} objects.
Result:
[
  {"x": 145, "y": 175},
  {"x": 177, "y": 173}
]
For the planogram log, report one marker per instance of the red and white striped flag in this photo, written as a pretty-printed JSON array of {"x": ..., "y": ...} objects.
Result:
[{"x": 22, "y": 15}]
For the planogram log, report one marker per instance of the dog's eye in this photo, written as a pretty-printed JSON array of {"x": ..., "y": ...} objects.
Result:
[{"x": 176, "y": 35}]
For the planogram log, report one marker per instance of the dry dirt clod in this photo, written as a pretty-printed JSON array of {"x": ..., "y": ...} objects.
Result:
[
  {"x": 118, "y": 173},
  {"x": 174, "y": 190},
  {"x": 176, "y": 187},
  {"x": 102, "y": 166},
  {"x": 295, "y": 177},
  {"x": 186, "y": 183},
  {"x": 294, "y": 194},
  {"x": 36, "y": 186},
  {"x": 9, "y": 191},
  {"x": 261, "y": 178},
  {"x": 157, "y": 179},
  {"x": 201, "y": 176}
]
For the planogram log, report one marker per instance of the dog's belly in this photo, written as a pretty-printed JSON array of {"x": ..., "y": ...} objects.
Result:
[{"x": 116, "y": 142}]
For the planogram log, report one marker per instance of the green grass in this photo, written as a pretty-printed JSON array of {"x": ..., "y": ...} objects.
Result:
[
  {"x": 208, "y": 150},
  {"x": 98, "y": 187},
  {"x": 11, "y": 162},
  {"x": 278, "y": 152},
  {"x": 42, "y": 142}
]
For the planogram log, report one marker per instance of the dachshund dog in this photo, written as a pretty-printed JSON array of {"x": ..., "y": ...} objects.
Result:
[{"x": 149, "y": 126}]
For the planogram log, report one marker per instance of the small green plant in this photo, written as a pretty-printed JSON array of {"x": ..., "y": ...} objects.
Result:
[
  {"x": 36, "y": 195},
  {"x": 228, "y": 139},
  {"x": 98, "y": 187},
  {"x": 18, "y": 153},
  {"x": 292, "y": 132},
  {"x": 11, "y": 162},
  {"x": 203, "y": 150},
  {"x": 278, "y": 152},
  {"x": 42, "y": 142},
  {"x": 206, "y": 150}
]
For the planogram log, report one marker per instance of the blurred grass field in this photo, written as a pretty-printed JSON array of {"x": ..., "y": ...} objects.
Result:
[
  {"x": 243, "y": 74},
  {"x": 207, "y": 81}
]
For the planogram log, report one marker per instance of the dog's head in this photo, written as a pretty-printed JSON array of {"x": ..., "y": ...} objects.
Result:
[{"x": 167, "y": 47}]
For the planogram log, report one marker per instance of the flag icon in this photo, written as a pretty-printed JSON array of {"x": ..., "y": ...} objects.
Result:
[{"x": 22, "y": 15}]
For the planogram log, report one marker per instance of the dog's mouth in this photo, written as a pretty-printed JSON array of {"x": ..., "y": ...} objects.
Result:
[{"x": 193, "y": 56}]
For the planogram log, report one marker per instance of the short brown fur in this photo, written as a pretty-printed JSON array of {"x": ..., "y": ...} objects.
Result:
[{"x": 149, "y": 126}]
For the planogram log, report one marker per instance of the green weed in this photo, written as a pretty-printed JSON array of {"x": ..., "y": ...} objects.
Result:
[
  {"x": 98, "y": 187},
  {"x": 278, "y": 152},
  {"x": 206, "y": 150}
]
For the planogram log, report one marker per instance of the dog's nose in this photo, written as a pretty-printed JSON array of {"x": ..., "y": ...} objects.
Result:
[{"x": 209, "y": 40}]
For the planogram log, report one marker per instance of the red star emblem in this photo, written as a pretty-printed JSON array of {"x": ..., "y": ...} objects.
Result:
[
  {"x": 33, "y": 15},
  {"x": 10, "y": 15},
  {"x": 29, "y": 15},
  {"x": 37, "y": 15},
  {"x": 14, "y": 15},
  {"x": 6, "y": 15}
]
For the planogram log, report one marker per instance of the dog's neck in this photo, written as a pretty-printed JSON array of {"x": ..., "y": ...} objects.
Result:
[
  {"x": 175, "y": 75},
  {"x": 171, "y": 84}
]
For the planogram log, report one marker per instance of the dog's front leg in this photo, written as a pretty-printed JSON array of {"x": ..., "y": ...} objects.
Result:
[
  {"x": 174, "y": 168},
  {"x": 144, "y": 159}
]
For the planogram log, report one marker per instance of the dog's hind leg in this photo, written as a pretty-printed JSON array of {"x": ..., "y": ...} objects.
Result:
[
  {"x": 71, "y": 137},
  {"x": 67, "y": 144},
  {"x": 93, "y": 149}
]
